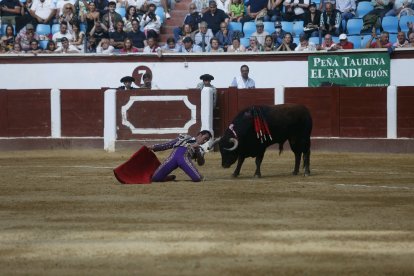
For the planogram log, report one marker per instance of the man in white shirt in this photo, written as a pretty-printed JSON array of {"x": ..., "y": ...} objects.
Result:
[
  {"x": 57, "y": 37},
  {"x": 43, "y": 11},
  {"x": 66, "y": 48},
  {"x": 243, "y": 81}
]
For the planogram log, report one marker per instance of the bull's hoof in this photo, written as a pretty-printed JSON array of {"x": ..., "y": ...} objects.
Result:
[
  {"x": 234, "y": 175},
  {"x": 257, "y": 176},
  {"x": 307, "y": 173},
  {"x": 295, "y": 173}
]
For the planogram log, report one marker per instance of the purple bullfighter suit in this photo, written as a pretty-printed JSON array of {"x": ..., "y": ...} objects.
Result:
[{"x": 180, "y": 157}]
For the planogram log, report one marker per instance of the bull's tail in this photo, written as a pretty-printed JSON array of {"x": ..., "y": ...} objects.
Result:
[{"x": 280, "y": 148}]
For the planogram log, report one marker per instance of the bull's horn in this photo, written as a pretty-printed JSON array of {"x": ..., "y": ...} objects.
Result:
[
  {"x": 214, "y": 143},
  {"x": 235, "y": 142}
]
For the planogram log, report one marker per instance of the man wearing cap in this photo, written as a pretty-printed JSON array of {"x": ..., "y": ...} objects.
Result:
[
  {"x": 111, "y": 18},
  {"x": 206, "y": 82},
  {"x": 260, "y": 33},
  {"x": 127, "y": 81},
  {"x": 243, "y": 81},
  {"x": 43, "y": 11},
  {"x": 213, "y": 17},
  {"x": 278, "y": 34},
  {"x": 189, "y": 47},
  {"x": 9, "y": 9},
  {"x": 344, "y": 43},
  {"x": 25, "y": 36}
]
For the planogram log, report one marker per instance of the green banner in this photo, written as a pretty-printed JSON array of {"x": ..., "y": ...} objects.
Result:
[{"x": 370, "y": 69}]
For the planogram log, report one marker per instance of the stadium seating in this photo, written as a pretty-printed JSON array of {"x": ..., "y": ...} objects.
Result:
[
  {"x": 244, "y": 41},
  {"x": 43, "y": 44},
  {"x": 235, "y": 26},
  {"x": 364, "y": 40},
  {"x": 335, "y": 39},
  {"x": 354, "y": 26},
  {"x": 55, "y": 28},
  {"x": 249, "y": 28},
  {"x": 269, "y": 27},
  {"x": 356, "y": 40},
  {"x": 404, "y": 20},
  {"x": 390, "y": 24},
  {"x": 393, "y": 38},
  {"x": 287, "y": 26},
  {"x": 121, "y": 11},
  {"x": 160, "y": 12},
  {"x": 314, "y": 40},
  {"x": 82, "y": 27},
  {"x": 296, "y": 40},
  {"x": 363, "y": 8},
  {"x": 297, "y": 28},
  {"x": 43, "y": 29}
]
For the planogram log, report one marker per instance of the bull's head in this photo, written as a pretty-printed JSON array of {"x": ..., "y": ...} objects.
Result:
[{"x": 228, "y": 149}]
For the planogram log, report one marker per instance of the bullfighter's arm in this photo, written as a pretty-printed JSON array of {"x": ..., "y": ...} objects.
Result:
[{"x": 164, "y": 146}]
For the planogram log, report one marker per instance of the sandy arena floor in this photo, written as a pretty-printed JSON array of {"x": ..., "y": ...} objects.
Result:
[{"x": 63, "y": 213}]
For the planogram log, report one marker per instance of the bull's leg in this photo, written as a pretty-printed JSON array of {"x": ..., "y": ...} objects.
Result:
[
  {"x": 306, "y": 162},
  {"x": 298, "y": 154},
  {"x": 238, "y": 167},
  {"x": 259, "y": 160}
]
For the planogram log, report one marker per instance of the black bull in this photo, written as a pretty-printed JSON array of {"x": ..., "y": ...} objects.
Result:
[{"x": 283, "y": 122}]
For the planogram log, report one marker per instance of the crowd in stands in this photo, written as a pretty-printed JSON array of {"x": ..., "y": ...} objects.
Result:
[{"x": 133, "y": 26}]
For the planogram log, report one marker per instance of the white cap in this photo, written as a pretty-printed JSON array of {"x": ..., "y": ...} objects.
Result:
[{"x": 343, "y": 37}]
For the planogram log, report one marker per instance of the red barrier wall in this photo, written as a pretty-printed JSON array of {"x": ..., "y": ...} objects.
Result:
[{"x": 405, "y": 111}]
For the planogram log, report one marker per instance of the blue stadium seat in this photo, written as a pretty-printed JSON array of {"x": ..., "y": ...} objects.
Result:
[
  {"x": 244, "y": 41},
  {"x": 335, "y": 39},
  {"x": 354, "y": 26},
  {"x": 356, "y": 40},
  {"x": 269, "y": 27},
  {"x": 314, "y": 40},
  {"x": 235, "y": 26},
  {"x": 363, "y": 8},
  {"x": 249, "y": 28},
  {"x": 160, "y": 12},
  {"x": 43, "y": 29},
  {"x": 55, "y": 28},
  {"x": 393, "y": 38},
  {"x": 43, "y": 44},
  {"x": 296, "y": 40},
  {"x": 390, "y": 24},
  {"x": 297, "y": 28},
  {"x": 287, "y": 26},
  {"x": 364, "y": 40},
  {"x": 121, "y": 11},
  {"x": 82, "y": 27},
  {"x": 404, "y": 20}
]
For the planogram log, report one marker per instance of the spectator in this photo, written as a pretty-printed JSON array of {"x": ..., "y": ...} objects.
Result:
[
  {"x": 7, "y": 40},
  {"x": 17, "y": 49},
  {"x": 128, "y": 47},
  {"x": 67, "y": 14},
  {"x": 269, "y": 45},
  {"x": 322, "y": 4},
  {"x": 78, "y": 36},
  {"x": 213, "y": 17},
  {"x": 260, "y": 33},
  {"x": 151, "y": 23},
  {"x": 50, "y": 47},
  {"x": 9, "y": 9},
  {"x": 186, "y": 32},
  {"x": 147, "y": 79},
  {"x": 255, "y": 10},
  {"x": 171, "y": 46},
  {"x": 193, "y": 18},
  {"x": 254, "y": 45},
  {"x": 312, "y": 19},
  {"x": 117, "y": 37},
  {"x": 411, "y": 40},
  {"x": 66, "y": 48},
  {"x": 243, "y": 81},
  {"x": 164, "y": 5},
  {"x": 43, "y": 11},
  {"x": 111, "y": 18},
  {"x": 295, "y": 9},
  {"x": 215, "y": 46},
  {"x": 127, "y": 81},
  {"x": 201, "y": 5},
  {"x": 105, "y": 47},
  {"x": 305, "y": 45},
  {"x": 138, "y": 38},
  {"x": 102, "y": 6},
  {"x": 236, "y": 10},
  {"x": 278, "y": 34},
  {"x": 206, "y": 82},
  {"x": 224, "y": 36},
  {"x": 60, "y": 8},
  {"x": 26, "y": 35},
  {"x": 274, "y": 11},
  {"x": 382, "y": 42},
  {"x": 91, "y": 44},
  {"x": 152, "y": 46},
  {"x": 189, "y": 47},
  {"x": 401, "y": 42},
  {"x": 203, "y": 37},
  {"x": 327, "y": 44},
  {"x": 63, "y": 32},
  {"x": 373, "y": 18},
  {"x": 235, "y": 46},
  {"x": 330, "y": 21},
  {"x": 90, "y": 17},
  {"x": 26, "y": 17},
  {"x": 398, "y": 6},
  {"x": 347, "y": 9},
  {"x": 287, "y": 43},
  {"x": 223, "y": 5},
  {"x": 34, "y": 47},
  {"x": 344, "y": 43},
  {"x": 131, "y": 14},
  {"x": 98, "y": 32}
]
